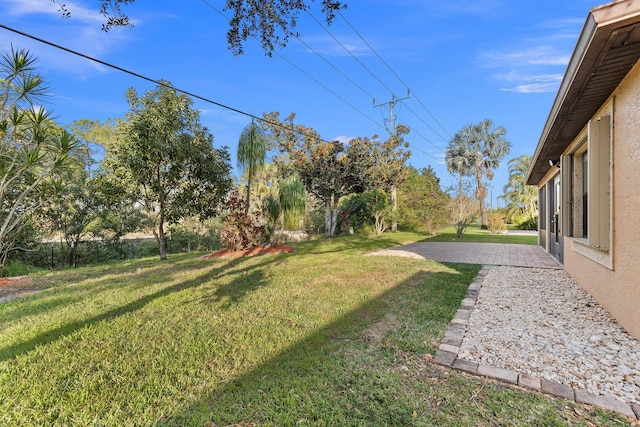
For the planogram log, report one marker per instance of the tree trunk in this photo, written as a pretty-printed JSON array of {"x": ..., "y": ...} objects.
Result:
[
  {"x": 330, "y": 215},
  {"x": 394, "y": 201},
  {"x": 481, "y": 194},
  {"x": 246, "y": 210}
]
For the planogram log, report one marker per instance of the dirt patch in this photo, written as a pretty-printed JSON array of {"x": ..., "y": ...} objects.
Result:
[
  {"x": 376, "y": 332},
  {"x": 259, "y": 250},
  {"x": 15, "y": 287}
]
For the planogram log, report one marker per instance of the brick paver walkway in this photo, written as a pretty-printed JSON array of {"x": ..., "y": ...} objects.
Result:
[{"x": 476, "y": 253}]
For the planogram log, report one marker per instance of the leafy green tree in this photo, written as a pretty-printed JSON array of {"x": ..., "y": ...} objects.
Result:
[
  {"x": 383, "y": 163},
  {"x": 252, "y": 153},
  {"x": 323, "y": 167},
  {"x": 270, "y": 21},
  {"x": 33, "y": 149},
  {"x": 520, "y": 198},
  {"x": 423, "y": 205},
  {"x": 164, "y": 150},
  {"x": 114, "y": 202},
  {"x": 482, "y": 146}
]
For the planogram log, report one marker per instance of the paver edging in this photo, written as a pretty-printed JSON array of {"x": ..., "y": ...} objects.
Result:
[{"x": 447, "y": 355}]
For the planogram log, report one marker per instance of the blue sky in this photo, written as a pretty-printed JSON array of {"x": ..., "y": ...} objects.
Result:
[{"x": 462, "y": 60}]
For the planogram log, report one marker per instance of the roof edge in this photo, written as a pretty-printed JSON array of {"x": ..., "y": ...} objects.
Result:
[{"x": 582, "y": 46}]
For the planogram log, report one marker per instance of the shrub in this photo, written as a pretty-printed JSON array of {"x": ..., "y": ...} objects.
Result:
[
  {"x": 496, "y": 224},
  {"x": 529, "y": 224},
  {"x": 241, "y": 230}
]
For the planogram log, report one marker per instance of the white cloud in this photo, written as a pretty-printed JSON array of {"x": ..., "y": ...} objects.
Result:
[
  {"x": 536, "y": 55},
  {"x": 330, "y": 47},
  {"x": 535, "y": 64},
  {"x": 81, "y": 32},
  {"x": 32, "y": 7}
]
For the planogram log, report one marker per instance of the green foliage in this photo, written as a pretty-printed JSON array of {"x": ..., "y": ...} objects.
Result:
[
  {"x": 380, "y": 205},
  {"x": 252, "y": 153},
  {"x": 191, "y": 234},
  {"x": 34, "y": 151},
  {"x": 528, "y": 224},
  {"x": 169, "y": 156},
  {"x": 477, "y": 150},
  {"x": 332, "y": 170},
  {"x": 241, "y": 230},
  {"x": 17, "y": 268},
  {"x": 357, "y": 210},
  {"x": 423, "y": 206},
  {"x": 521, "y": 199},
  {"x": 496, "y": 224}
]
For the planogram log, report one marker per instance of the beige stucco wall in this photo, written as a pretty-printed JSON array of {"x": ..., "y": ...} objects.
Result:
[{"x": 614, "y": 279}]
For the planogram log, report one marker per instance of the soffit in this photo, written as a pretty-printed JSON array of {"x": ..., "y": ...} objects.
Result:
[{"x": 596, "y": 69}]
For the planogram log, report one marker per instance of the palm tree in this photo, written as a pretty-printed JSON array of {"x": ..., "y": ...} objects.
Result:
[
  {"x": 252, "y": 152},
  {"x": 520, "y": 197},
  {"x": 477, "y": 150},
  {"x": 289, "y": 207},
  {"x": 458, "y": 160}
]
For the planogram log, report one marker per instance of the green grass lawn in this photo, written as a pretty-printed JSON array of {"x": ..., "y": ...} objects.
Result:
[
  {"x": 476, "y": 235},
  {"x": 323, "y": 336}
]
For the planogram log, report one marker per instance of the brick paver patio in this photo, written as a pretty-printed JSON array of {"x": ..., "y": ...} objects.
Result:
[{"x": 476, "y": 253}]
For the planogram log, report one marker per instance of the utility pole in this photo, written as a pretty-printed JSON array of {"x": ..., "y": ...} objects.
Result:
[{"x": 392, "y": 131}]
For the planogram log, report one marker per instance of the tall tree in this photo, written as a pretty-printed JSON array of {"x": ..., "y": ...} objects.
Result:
[
  {"x": 252, "y": 153},
  {"x": 384, "y": 165},
  {"x": 483, "y": 146},
  {"x": 33, "y": 149},
  {"x": 423, "y": 205},
  {"x": 270, "y": 21},
  {"x": 326, "y": 168},
  {"x": 458, "y": 159},
  {"x": 170, "y": 157},
  {"x": 520, "y": 197}
]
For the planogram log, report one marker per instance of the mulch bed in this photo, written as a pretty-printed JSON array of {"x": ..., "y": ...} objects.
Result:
[{"x": 12, "y": 281}]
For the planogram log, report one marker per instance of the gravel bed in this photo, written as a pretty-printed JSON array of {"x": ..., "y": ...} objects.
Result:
[{"x": 540, "y": 322}]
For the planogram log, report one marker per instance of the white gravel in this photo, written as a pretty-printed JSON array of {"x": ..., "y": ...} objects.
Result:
[{"x": 540, "y": 322}]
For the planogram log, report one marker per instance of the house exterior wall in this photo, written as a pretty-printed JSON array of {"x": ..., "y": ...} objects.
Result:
[{"x": 612, "y": 276}]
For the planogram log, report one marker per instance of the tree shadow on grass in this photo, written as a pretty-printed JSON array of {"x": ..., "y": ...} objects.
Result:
[
  {"x": 249, "y": 279},
  {"x": 308, "y": 380}
]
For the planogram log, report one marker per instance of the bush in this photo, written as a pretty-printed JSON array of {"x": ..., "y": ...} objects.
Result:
[
  {"x": 528, "y": 224},
  {"x": 241, "y": 230},
  {"x": 193, "y": 235},
  {"x": 17, "y": 268},
  {"x": 358, "y": 211},
  {"x": 496, "y": 224}
]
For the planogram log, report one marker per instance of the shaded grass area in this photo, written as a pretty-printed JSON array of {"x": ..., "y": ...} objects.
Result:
[
  {"x": 323, "y": 336},
  {"x": 475, "y": 234}
]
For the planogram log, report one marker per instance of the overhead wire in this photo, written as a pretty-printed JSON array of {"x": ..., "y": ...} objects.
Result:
[
  {"x": 219, "y": 12},
  {"x": 346, "y": 49},
  {"x": 151, "y": 80},
  {"x": 392, "y": 71}
]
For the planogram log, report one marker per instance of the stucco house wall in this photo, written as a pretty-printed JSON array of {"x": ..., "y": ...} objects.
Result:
[{"x": 613, "y": 277}]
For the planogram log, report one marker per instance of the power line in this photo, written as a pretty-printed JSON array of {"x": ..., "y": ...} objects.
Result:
[
  {"x": 426, "y": 124},
  {"x": 149, "y": 79},
  {"x": 309, "y": 75},
  {"x": 343, "y": 74},
  {"x": 392, "y": 71},
  {"x": 350, "y": 53}
]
